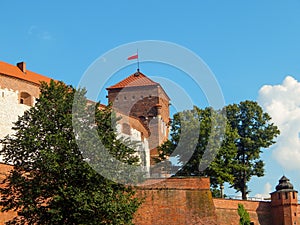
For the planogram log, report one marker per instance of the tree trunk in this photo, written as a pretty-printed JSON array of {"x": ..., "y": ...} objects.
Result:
[
  {"x": 244, "y": 188},
  {"x": 244, "y": 194}
]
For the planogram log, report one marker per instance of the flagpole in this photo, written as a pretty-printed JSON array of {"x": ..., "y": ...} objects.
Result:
[{"x": 138, "y": 61}]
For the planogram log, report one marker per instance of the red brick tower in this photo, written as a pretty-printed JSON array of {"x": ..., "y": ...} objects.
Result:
[
  {"x": 140, "y": 97},
  {"x": 284, "y": 202}
]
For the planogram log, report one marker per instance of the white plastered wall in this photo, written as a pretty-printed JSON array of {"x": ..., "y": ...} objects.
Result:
[{"x": 10, "y": 109}]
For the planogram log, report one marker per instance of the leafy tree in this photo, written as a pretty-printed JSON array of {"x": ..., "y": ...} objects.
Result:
[
  {"x": 204, "y": 149},
  {"x": 196, "y": 132},
  {"x": 255, "y": 131},
  {"x": 244, "y": 215},
  {"x": 51, "y": 182}
]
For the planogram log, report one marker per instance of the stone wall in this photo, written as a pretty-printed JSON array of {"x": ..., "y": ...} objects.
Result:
[
  {"x": 12, "y": 104},
  {"x": 10, "y": 109}
]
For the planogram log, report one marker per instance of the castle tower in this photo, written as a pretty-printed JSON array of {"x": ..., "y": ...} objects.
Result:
[
  {"x": 284, "y": 202},
  {"x": 139, "y": 97}
]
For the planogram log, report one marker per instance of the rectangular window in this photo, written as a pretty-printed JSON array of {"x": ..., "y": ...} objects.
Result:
[{"x": 286, "y": 195}]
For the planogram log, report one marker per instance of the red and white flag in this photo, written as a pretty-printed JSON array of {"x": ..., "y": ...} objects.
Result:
[{"x": 136, "y": 56}]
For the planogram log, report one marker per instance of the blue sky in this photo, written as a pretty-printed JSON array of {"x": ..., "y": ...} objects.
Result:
[{"x": 246, "y": 44}]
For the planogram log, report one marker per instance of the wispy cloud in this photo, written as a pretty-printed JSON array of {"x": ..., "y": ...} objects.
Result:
[
  {"x": 282, "y": 102},
  {"x": 41, "y": 34}
]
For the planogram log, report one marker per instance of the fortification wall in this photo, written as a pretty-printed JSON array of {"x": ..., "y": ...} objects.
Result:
[
  {"x": 16, "y": 84},
  {"x": 10, "y": 110},
  {"x": 5, "y": 216},
  {"x": 16, "y": 96},
  {"x": 176, "y": 201},
  {"x": 226, "y": 210}
]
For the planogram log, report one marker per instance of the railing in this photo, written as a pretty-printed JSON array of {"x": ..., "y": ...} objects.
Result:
[{"x": 236, "y": 197}]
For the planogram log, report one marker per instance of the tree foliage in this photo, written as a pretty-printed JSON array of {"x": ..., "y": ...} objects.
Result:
[
  {"x": 244, "y": 215},
  {"x": 203, "y": 149},
  {"x": 247, "y": 130},
  {"x": 255, "y": 132},
  {"x": 51, "y": 182}
]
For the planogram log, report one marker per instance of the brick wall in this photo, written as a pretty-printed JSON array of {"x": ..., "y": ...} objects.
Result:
[
  {"x": 15, "y": 84},
  {"x": 176, "y": 201},
  {"x": 4, "y": 169},
  {"x": 183, "y": 201},
  {"x": 226, "y": 210}
]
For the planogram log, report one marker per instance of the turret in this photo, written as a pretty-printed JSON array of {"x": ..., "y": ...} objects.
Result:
[{"x": 284, "y": 202}]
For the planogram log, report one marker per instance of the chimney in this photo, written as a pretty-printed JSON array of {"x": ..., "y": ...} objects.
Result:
[{"x": 22, "y": 66}]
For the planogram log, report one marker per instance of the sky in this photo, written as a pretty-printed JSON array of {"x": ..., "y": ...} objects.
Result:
[{"x": 251, "y": 47}]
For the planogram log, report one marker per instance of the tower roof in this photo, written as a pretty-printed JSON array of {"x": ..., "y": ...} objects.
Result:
[
  {"x": 284, "y": 183},
  {"x": 137, "y": 79}
]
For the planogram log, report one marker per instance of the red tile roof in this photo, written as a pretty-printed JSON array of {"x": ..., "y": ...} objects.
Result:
[
  {"x": 15, "y": 71},
  {"x": 135, "y": 80}
]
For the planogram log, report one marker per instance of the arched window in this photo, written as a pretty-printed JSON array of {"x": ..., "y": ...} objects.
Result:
[{"x": 25, "y": 99}]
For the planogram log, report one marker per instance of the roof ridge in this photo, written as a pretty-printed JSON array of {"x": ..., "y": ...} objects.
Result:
[{"x": 134, "y": 80}]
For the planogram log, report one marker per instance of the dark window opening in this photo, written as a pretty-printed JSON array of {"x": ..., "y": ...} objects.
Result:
[
  {"x": 286, "y": 195},
  {"x": 25, "y": 99}
]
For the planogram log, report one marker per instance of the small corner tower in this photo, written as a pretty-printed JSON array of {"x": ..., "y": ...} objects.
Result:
[{"x": 284, "y": 202}]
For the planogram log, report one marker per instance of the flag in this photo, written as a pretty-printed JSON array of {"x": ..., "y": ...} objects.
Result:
[{"x": 136, "y": 56}]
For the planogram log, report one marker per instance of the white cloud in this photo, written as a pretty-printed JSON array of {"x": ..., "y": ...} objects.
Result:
[
  {"x": 266, "y": 193},
  {"x": 39, "y": 33},
  {"x": 282, "y": 103}
]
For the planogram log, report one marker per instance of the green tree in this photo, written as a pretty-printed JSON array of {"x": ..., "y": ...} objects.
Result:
[
  {"x": 51, "y": 182},
  {"x": 244, "y": 215},
  {"x": 247, "y": 130},
  {"x": 205, "y": 143},
  {"x": 255, "y": 132}
]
